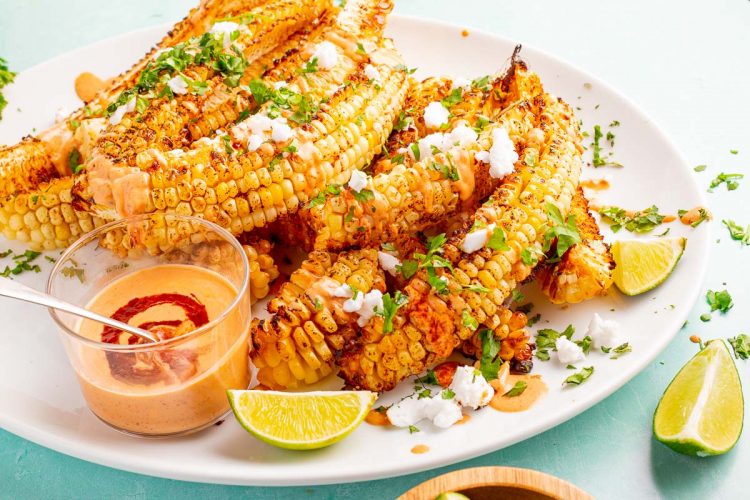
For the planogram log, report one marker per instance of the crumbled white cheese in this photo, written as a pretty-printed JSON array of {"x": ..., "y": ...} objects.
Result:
[
  {"x": 279, "y": 85},
  {"x": 254, "y": 142},
  {"x": 116, "y": 117},
  {"x": 461, "y": 135},
  {"x": 443, "y": 412},
  {"x": 471, "y": 388},
  {"x": 61, "y": 114},
  {"x": 343, "y": 291},
  {"x": 426, "y": 144},
  {"x": 502, "y": 155},
  {"x": 389, "y": 263},
  {"x": 178, "y": 85},
  {"x": 225, "y": 28},
  {"x": 568, "y": 352},
  {"x": 604, "y": 332},
  {"x": 258, "y": 124},
  {"x": 409, "y": 411},
  {"x": 372, "y": 72},
  {"x": 435, "y": 115},
  {"x": 358, "y": 180},
  {"x": 461, "y": 82},
  {"x": 280, "y": 130},
  {"x": 373, "y": 302},
  {"x": 477, "y": 239},
  {"x": 326, "y": 54},
  {"x": 355, "y": 303}
]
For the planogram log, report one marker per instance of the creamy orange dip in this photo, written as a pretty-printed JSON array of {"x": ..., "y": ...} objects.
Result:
[
  {"x": 535, "y": 389},
  {"x": 170, "y": 389}
]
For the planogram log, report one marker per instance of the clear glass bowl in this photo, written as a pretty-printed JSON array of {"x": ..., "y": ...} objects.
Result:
[{"x": 157, "y": 272}]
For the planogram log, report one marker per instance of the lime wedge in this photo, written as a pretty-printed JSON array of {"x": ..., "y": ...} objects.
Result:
[
  {"x": 451, "y": 495},
  {"x": 300, "y": 420},
  {"x": 702, "y": 410},
  {"x": 644, "y": 265}
]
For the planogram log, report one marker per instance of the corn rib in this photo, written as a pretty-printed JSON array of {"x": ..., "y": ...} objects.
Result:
[
  {"x": 480, "y": 282},
  {"x": 585, "y": 270}
]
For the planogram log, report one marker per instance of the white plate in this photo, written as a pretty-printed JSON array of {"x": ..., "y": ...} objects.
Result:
[{"x": 39, "y": 396}]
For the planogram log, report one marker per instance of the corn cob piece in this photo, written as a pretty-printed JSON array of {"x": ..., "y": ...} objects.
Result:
[
  {"x": 244, "y": 190},
  {"x": 440, "y": 302},
  {"x": 296, "y": 344},
  {"x": 263, "y": 269},
  {"x": 46, "y": 218},
  {"x": 415, "y": 198},
  {"x": 24, "y": 168},
  {"x": 162, "y": 124},
  {"x": 585, "y": 270},
  {"x": 34, "y": 160}
]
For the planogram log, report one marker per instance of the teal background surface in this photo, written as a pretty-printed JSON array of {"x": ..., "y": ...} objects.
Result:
[{"x": 684, "y": 62}]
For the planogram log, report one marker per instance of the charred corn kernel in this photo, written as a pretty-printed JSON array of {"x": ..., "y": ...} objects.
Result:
[
  {"x": 263, "y": 270},
  {"x": 296, "y": 344},
  {"x": 437, "y": 315},
  {"x": 24, "y": 166},
  {"x": 45, "y": 217},
  {"x": 585, "y": 270}
]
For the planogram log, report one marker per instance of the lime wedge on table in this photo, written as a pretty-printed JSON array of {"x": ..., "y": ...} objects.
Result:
[
  {"x": 701, "y": 412},
  {"x": 642, "y": 265},
  {"x": 300, "y": 420}
]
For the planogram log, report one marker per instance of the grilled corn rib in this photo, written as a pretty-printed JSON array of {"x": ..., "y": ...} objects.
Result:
[
  {"x": 296, "y": 344},
  {"x": 37, "y": 159},
  {"x": 480, "y": 282},
  {"x": 410, "y": 199},
  {"x": 162, "y": 124},
  {"x": 242, "y": 190},
  {"x": 585, "y": 270}
]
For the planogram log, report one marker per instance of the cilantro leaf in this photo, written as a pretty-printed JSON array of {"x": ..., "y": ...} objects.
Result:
[
  {"x": 497, "y": 240},
  {"x": 719, "y": 301},
  {"x": 741, "y": 346},
  {"x": 517, "y": 389},
  {"x": 390, "y": 306},
  {"x": 488, "y": 364},
  {"x": 580, "y": 377}
]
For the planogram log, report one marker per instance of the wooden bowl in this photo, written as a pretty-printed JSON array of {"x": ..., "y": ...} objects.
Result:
[{"x": 491, "y": 483}]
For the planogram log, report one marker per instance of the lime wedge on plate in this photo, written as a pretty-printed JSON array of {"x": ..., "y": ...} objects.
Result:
[
  {"x": 300, "y": 420},
  {"x": 702, "y": 410},
  {"x": 642, "y": 265}
]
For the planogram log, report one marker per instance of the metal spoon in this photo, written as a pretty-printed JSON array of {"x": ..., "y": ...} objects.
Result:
[{"x": 15, "y": 290}]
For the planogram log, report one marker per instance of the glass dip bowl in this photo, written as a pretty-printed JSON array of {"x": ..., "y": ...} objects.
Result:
[{"x": 186, "y": 280}]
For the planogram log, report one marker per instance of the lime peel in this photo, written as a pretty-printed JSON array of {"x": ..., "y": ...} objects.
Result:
[{"x": 642, "y": 265}]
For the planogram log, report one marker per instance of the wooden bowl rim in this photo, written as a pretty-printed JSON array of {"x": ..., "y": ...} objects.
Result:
[{"x": 528, "y": 479}]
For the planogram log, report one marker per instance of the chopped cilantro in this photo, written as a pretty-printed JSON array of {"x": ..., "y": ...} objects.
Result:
[
  {"x": 517, "y": 389},
  {"x": 6, "y": 77},
  {"x": 428, "y": 378},
  {"x": 719, "y": 301},
  {"x": 489, "y": 363},
  {"x": 546, "y": 339},
  {"x": 737, "y": 232},
  {"x": 363, "y": 195},
  {"x": 449, "y": 172},
  {"x": 452, "y": 99},
  {"x": 74, "y": 161},
  {"x": 640, "y": 222},
  {"x": 731, "y": 180},
  {"x": 320, "y": 198},
  {"x": 529, "y": 255},
  {"x": 699, "y": 168},
  {"x": 580, "y": 377},
  {"x": 447, "y": 394},
  {"x": 408, "y": 268},
  {"x": 584, "y": 344},
  {"x": 468, "y": 320},
  {"x": 516, "y": 296},
  {"x": 741, "y": 346},
  {"x": 497, "y": 240},
  {"x": 620, "y": 350},
  {"x": 413, "y": 429},
  {"x": 390, "y": 306},
  {"x": 482, "y": 83},
  {"x": 705, "y": 317},
  {"x": 561, "y": 231}
]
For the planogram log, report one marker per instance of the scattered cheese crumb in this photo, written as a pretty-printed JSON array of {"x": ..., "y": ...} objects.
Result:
[
  {"x": 358, "y": 181},
  {"x": 502, "y": 155},
  {"x": 279, "y": 85},
  {"x": 372, "y": 72},
  {"x": 476, "y": 240},
  {"x": 178, "y": 85},
  {"x": 389, "y": 263},
  {"x": 343, "y": 291},
  {"x": 604, "y": 333},
  {"x": 373, "y": 302},
  {"x": 280, "y": 131},
  {"x": 568, "y": 352},
  {"x": 326, "y": 54},
  {"x": 471, "y": 388},
  {"x": 225, "y": 28},
  {"x": 254, "y": 142},
  {"x": 116, "y": 117},
  {"x": 443, "y": 412},
  {"x": 461, "y": 82},
  {"x": 435, "y": 115},
  {"x": 258, "y": 124}
]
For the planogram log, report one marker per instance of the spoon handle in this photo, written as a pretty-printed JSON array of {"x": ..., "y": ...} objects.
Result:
[{"x": 16, "y": 290}]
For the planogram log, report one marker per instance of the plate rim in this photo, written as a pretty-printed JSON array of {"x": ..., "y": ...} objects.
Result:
[{"x": 68, "y": 446}]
